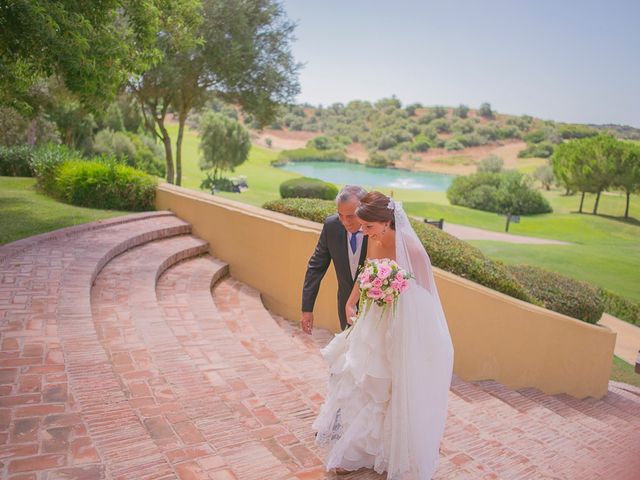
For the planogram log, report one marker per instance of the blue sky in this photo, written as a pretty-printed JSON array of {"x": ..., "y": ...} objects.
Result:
[{"x": 563, "y": 60}]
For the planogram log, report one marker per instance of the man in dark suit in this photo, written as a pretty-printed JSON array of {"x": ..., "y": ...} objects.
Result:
[{"x": 342, "y": 242}]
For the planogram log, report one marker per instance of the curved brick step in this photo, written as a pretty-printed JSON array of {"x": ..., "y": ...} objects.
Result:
[
  {"x": 580, "y": 444},
  {"x": 130, "y": 326},
  {"x": 51, "y": 359},
  {"x": 261, "y": 428},
  {"x": 493, "y": 432}
]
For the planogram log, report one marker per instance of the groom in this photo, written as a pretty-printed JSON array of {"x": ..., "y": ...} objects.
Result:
[{"x": 342, "y": 242}]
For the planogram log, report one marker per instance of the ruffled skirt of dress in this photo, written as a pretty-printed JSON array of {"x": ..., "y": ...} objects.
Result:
[{"x": 353, "y": 419}]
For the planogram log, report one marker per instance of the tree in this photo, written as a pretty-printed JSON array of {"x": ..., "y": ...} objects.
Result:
[
  {"x": 492, "y": 163},
  {"x": 92, "y": 46},
  {"x": 224, "y": 143},
  {"x": 240, "y": 53},
  {"x": 515, "y": 196},
  {"x": 587, "y": 165},
  {"x": 461, "y": 111},
  {"x": 627, "y": 171},
  {"x": 485, "y": 110},
  {"x": 544, "y": 174}
]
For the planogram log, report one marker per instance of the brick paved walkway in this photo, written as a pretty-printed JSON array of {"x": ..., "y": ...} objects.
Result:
[{"x": 119, "y": 361}]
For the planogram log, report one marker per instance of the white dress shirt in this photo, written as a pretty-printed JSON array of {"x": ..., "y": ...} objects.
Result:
[{"x": 354, "y": 257}]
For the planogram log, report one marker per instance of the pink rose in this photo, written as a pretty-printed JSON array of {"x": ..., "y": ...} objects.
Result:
[
  {"x": 400, "y": 276},
  {"x": 375, "y": 293},
  {"x": 403, "y": 286},
  {"x": 384, "y": 271},
  {"x": 388, "y": 298},
  {"x": 377, "y": 282},
  {"x": 396, "y": 285}
]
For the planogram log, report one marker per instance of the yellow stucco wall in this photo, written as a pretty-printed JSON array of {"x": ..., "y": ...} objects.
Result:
[{"x": 494, "y": 336}]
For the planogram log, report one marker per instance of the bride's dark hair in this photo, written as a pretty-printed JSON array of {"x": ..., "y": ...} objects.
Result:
[{"x": 374, "y": 207}]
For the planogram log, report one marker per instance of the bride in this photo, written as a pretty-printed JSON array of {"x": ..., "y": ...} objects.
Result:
[{"x": 391, "y": 371}]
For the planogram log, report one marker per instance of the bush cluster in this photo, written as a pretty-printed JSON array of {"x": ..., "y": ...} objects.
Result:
[
  {"x": 446, "y": 251},
  {"x": 306, "y": 187},
  {"x": 310, "y": 154},
  {"x": 620, "y": 307},
  {"x": 138, "y": 151},
  {"x": 104, "y": 184},
  {"x": 560, "y": 293},
  {"x": 16, "y": 161},
  {"x": 497, "y": 192}
]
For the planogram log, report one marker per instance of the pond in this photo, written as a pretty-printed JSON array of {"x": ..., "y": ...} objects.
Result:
[{"x": 358, "y": 174}]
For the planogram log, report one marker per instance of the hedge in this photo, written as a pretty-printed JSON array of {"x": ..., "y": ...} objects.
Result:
[
  {"x": 306, "y": 187},
  {"x": 310, "y": 155},
  {"x": 45, "y": 163},
  {"x": 106, "y": 185},
  {"x": 16, "y": 161},
  {"x": 560, "y": 293},
  {"x": 446, "y": 251},
  {"x": 620, "y": 307}
]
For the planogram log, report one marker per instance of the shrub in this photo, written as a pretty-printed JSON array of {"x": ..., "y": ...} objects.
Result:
[
  {"x": 420, "y": 144},
  {"x": 45, "y": 163},
  {"x": 620, "y": 307},
  {"x": 311, "y": 155},
  {"x": 497, "y": 192},
  {"x": 149, "y": 156},
  {"x": 137, "y": 151},
  {"x": 576, "y": 131},
  {"x": 472, "y": 139},
  {"x": 106, "y": 185},
  {"x": 493, "y": 163},
  {"x": 538, "y": 150},
  {"x": 378, "y": 160},
  {"x": 222, "y": 184},
  {"x": 560, "y": 293},
  {"x": 485, "y": 110},
  {"x": 461, "y": 111},
  {"x": 386, "y": 142},
  {"x": 306, "y": 187},
  {"x": 16, "y": 161},
  {"x": 453, "y": 144},
  {"x": 446, "y": 251},
  {"x": 442, "y": 125},
  {"x": 439, "y": 111}
]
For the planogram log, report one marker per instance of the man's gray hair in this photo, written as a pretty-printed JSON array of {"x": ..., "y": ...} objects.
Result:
[{"x": 350, "y": 191}]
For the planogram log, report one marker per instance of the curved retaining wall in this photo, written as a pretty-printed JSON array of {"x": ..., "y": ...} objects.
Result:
[{"x": 494, "y": 336}]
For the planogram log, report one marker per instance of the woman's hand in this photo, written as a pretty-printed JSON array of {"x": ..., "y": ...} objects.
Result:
[{"x": 351, "y": 313}]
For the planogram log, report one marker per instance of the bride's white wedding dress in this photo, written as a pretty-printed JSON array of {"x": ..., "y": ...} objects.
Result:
[{"x": 386, "y": 404}]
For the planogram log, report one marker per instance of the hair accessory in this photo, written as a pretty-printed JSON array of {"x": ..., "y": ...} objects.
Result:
[{"x": 391, "y": 205}]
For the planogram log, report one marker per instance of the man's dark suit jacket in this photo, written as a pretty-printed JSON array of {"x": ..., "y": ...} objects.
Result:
[{"x": 332, "y": 246}]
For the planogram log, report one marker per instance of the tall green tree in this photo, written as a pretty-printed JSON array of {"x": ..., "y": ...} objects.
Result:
[
  {"x": 587, "y": 165},
  {"x": 224, "y": 143},
  {"x": 92, "y": 46},
  {"x": 241, "y": 54},
  {"x": 627, "y": 171}
]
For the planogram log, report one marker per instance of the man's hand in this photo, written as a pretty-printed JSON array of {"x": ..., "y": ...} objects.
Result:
[
  {"x": 307, "y": 322},
  {"x": 351, "y": 312}
]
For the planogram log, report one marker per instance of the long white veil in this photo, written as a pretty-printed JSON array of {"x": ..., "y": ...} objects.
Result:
[{"x": 421, "y": 362}]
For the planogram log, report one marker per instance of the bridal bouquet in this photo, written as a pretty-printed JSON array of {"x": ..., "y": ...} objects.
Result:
[{"x": 382, "y": 281}]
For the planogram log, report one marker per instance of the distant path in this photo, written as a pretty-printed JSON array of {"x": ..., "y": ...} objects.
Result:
[
  {"x": 627, "y": 338},
  {"x": 471, "y": 233}
]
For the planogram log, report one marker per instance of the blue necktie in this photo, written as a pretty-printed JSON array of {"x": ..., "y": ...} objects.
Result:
[{"x": 354, "y": 242}]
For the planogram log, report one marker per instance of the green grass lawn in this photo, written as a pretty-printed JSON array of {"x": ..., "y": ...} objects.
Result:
[
  {"x": 621, "y": 371},
  {"x": 25, "y": 212},
  {"x": 605, "y": 250},
  {"x": 263, "y": 179}
]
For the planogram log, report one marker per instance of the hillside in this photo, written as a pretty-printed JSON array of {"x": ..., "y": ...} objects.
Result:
[{"x": 417, "y": 137}]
